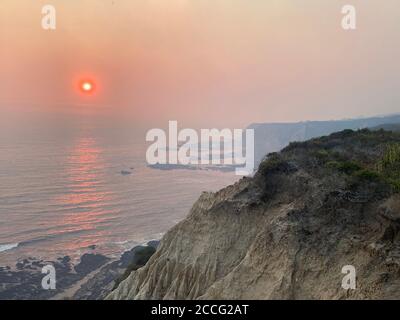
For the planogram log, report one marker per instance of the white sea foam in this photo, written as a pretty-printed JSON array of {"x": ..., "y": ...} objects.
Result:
[{"x": 6, "y": 247}]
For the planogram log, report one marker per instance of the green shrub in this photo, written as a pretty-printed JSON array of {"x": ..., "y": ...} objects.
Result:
[
  {"x": 322, "y": 155},
  {"x": 389, "y": 166},
  {"x": 348, "y": 167},
  {"x": 293, "y": 145},
  {"x": 368, "y": 175},
  {"x": 140, "y": 259},
  {"x": 391, "y": 158},
  {"x": 333, "y": 164},
  {"x": 395, "y": 183},
  {"x": 271, "y": 163}
]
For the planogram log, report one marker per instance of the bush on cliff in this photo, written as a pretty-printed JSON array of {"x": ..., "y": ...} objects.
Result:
[{"x": 140, "y": 259}]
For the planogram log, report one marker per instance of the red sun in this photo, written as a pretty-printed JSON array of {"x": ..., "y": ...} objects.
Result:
[{"x": 87, "y": 86}]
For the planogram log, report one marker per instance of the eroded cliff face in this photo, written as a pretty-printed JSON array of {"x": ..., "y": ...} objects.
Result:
[{"x": 287, "y": 232}]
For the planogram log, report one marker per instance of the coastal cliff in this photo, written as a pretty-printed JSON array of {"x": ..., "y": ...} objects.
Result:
[{"x": 287, "y": 232}]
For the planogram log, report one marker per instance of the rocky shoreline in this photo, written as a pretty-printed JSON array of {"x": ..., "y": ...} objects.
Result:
[{"x": 92, "y": 278}]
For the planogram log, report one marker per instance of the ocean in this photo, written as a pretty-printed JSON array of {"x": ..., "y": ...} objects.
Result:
[{"x": 64, "y": 191}]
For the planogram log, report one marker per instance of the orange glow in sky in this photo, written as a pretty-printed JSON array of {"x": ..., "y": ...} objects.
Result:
[{"x": 204, "y": 63}]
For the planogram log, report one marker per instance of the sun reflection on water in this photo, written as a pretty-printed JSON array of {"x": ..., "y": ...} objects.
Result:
[{"x": 87, "y": 197}]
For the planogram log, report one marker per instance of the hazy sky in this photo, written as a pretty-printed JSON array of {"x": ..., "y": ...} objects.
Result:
[{"x": 201, "y": 62}]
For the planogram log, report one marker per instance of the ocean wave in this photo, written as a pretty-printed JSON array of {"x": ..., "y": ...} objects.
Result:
[{"x": 6, "y": 247}]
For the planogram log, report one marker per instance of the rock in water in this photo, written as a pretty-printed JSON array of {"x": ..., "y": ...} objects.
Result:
[{"x": 286, "y": 233}]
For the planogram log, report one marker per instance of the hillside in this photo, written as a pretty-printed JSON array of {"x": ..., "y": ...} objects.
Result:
[
  {"x": 272, "y": 137},
  {"x": 388, "y": 127},
  {"x": 287, "y": 232}
]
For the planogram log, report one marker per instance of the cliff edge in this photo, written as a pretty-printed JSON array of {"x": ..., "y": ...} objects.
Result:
[{"x": 287, "y": 232}]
